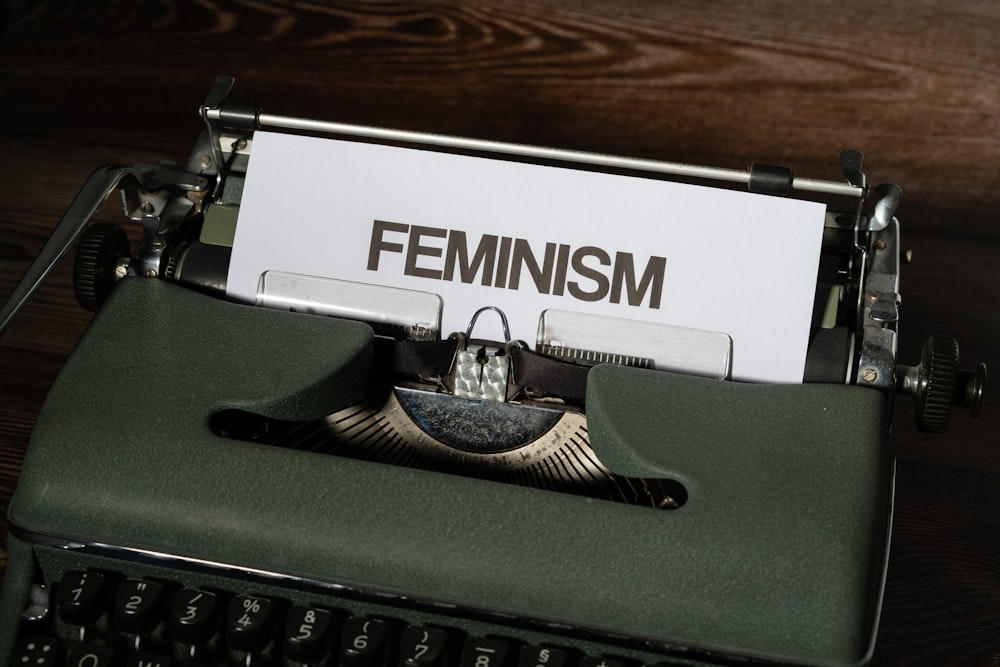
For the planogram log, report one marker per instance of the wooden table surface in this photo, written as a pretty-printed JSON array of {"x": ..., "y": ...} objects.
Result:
[{"x": 913, "y": 84}]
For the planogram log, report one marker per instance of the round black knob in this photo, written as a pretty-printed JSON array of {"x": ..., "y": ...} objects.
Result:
[
  {"x": 972, "y": 388},
  {"x": 937, "y": 377},
  {"x": 98, "y": 255}
]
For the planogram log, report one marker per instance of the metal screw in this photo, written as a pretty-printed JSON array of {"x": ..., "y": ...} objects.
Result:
[
  {"x": 205, "y": 160},
  {"x": 879, "y": 245},
  {"x": 874, "y": 295},
  {"x": 150, "y": 273},
  {"x": 147, "y": 207},
  {"x": 908, "y": 256},
  {"x": 869, "y": 375},
  {"x": 239, "y": 144}
]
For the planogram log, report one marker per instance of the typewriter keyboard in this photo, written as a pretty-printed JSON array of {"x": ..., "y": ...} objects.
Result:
[{"x": 124, "y": 614}]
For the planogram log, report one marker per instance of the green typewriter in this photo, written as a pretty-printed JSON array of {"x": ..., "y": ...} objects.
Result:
[{"x": 322, "y": 473}]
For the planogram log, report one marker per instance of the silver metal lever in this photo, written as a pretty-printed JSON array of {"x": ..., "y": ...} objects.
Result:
[
  {"x": 887, "y": 197},
  {"x": 88, "y": 202}
]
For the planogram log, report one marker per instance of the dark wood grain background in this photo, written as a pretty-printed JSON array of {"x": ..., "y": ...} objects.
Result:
[{"x": 915, "y": 85}]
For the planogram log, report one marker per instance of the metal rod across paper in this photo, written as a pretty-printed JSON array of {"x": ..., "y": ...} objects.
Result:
[{"x": 537, "y": 152}]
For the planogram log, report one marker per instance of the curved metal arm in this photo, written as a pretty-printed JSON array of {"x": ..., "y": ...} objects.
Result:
[{"x": 88, "y": 202}]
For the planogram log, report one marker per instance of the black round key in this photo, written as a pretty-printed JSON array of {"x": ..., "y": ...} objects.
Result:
[
  {"x": 249, "y": 622},
  {"x": 37, "y": 652},
  {"x": 364, "y": 642},
  {"x": 90, "y": 655},
  {"x": 194, "y": 616},
  {"x": 485, "y": 652},
  {"x": 82, "y": 597},
  {"x": 590, "y": 661},
  {"x": 145, "y": 659},
  {"x": 541, "y": 656},
  {"x": 423, "y": 647},
  {"x": 308, "y": 634},
  {"x": 138, "y": 605}
]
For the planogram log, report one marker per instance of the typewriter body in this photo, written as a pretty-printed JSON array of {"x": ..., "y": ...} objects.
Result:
[{"x": 217, "y": 483}]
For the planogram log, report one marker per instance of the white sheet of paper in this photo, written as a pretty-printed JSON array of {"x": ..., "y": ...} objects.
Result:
[{"x": 727, "y": 261}]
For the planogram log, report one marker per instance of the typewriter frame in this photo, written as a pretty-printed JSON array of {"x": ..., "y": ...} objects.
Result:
[
  {"x": 181, "y": 490},
  {"x": 829, "y": 492}
]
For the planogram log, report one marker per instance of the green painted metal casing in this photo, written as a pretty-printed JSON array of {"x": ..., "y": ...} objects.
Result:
[{"x": 778, "y": 553}]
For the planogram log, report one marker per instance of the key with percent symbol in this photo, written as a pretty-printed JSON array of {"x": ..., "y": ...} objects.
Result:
[{"x": 249, "y": 623}]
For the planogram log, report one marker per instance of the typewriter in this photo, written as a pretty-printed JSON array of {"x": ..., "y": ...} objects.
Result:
[{"x": 329, "y": 476}]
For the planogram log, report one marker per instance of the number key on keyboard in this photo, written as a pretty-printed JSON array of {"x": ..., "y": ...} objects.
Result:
[
  {"x": 309, "y": 634},
  {"x": 249, "y": 623},
  {"x": 138, "y": 605},
  {"x": 423, "y": 647},
  {"x": 194, "y": 616},
  {"x": 82, "y": 597},
  {"x": 484, "y": 652},
  {"x": 364, "y": 643}
]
